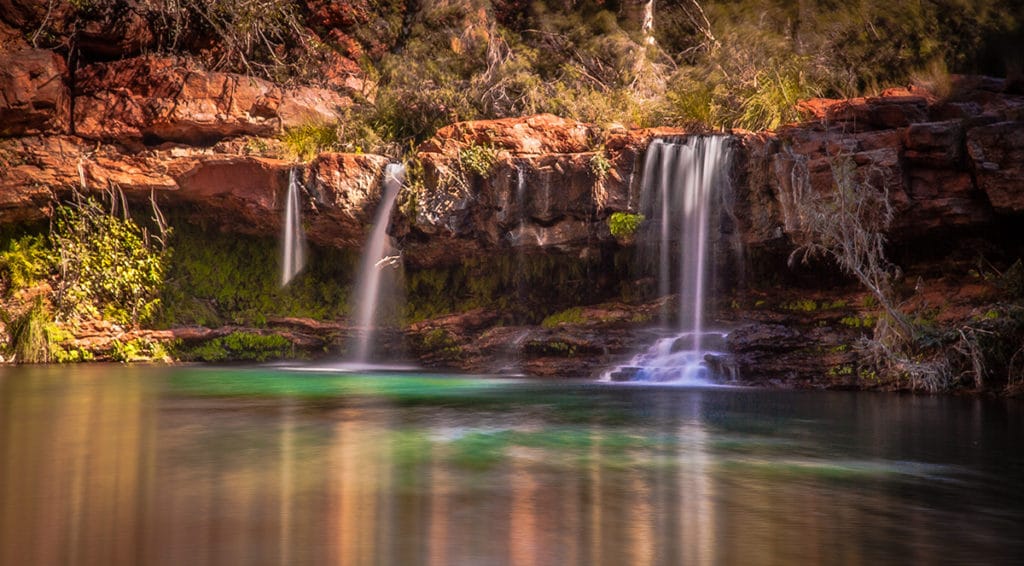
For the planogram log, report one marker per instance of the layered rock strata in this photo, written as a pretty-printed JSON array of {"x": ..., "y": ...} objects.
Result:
[{"x": 162, "y": 128}]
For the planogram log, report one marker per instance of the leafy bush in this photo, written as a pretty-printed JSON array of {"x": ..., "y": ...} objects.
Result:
[
  {"x": 572, "y": 315},
  {"x": 751, "y": 82},
  {"x": 137, "y": 349},
  {"x": 215, "y": 278},
  {"x": 107, "y": 265},
  {"x": 624, "y": 224},
  {"x": 25, "y": 261},
  {"x": 478, "y": 158}
]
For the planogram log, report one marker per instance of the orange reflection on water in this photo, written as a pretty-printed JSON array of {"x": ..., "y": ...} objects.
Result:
[{"x": 101, "y": 469}]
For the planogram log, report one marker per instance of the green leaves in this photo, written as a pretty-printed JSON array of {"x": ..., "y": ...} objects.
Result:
[
  {"x": 478, "y": 158},
  {"x": 624, "y": 224},
  {"x": 25, "y": 261},
  {"x": 108, "y": 265}
]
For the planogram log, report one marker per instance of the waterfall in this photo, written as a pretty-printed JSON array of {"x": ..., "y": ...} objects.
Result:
[
  {"x": 292, "y": 235},
  {"x": 375, "y": 258},
  {"x": 682, "y": 178}
]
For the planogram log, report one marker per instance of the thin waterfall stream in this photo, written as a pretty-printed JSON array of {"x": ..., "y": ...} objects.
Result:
[
  {"x": 378, "y": 250},
  {"x": 292, "y": 236},
  {"x": 682, "y": 177}
]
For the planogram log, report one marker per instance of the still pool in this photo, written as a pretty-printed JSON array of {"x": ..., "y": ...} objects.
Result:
[{"x": 111, "y": 465}]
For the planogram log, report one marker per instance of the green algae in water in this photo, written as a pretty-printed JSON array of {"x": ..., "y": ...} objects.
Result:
[{"x": 272, "y": 383}]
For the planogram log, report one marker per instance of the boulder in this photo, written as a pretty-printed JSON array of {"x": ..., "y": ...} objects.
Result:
[
  {"x": 895, "y": 108},
  {"x": 33, "y": 95},
  {"x": 538, "y": 134},
  {"x": 935, "y": 144},
  {"x": 345, "y": 190},
  {"x": 34, "y": 171},
  {"x": 157, "y": 99}
]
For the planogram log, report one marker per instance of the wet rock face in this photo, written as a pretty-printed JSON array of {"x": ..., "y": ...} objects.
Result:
[
  {"x": 540, "y": 189},
  {"x": 343, "y": 191}
]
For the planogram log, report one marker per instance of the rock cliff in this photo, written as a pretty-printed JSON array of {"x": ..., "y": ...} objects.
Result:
[{"x": 206, "y": 142}]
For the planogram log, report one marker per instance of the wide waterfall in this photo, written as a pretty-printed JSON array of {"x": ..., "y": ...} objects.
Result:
[
  {"x": 682, "y": 180},
  {"x": 292, "y": 236},
  {"x": 375, "y": 261}
]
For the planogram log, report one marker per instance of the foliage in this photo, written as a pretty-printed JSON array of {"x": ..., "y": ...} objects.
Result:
[
  {"x": 138, "y": 349},
  {"x": 413, "y": 187},
  {"x": 30, "y": 341},
  {"x": 478, "y": 158},
  {"x": 238, "y": 346},
  {"x": 624, "y": 224},
  {"x": 265, "y": 38},
  {"x": 848, "y": 225},
  {"x": 308, "y": 140},
  {"x": 572, "y": 315},
  {"x": 600, "y": 165},
  {"x": 522, "y": 288},
  {"x": 25, "y": 261},
  {"x": 751, "y": 82},
  {"x": 438, "y": 343},
  {"x": 107, "y": 265},
  {"x": 215, "y": 278}
]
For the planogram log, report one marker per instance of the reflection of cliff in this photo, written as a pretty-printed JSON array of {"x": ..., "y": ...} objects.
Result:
[
  {"x": 357, "y": 483},
  {"x": 93, "y": 473},
  {"x": 98, "y": 468},
  {"x": 71, "y": 468}
]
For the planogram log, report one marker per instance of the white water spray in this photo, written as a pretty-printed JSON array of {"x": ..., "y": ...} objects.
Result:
[
  {"x": 681, "y": 179},
  {"x": 292, "y": 235},
  {"x": 377, "y": 257}
]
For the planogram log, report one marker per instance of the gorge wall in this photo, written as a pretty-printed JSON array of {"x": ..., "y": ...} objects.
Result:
[{"x": 517, "y": 192}]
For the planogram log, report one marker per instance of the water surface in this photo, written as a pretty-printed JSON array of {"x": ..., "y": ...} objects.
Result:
[{"x": 150, "y": 465}]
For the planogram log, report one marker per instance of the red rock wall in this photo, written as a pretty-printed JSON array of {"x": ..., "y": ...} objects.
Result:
[{"x": 164, "y": 125}]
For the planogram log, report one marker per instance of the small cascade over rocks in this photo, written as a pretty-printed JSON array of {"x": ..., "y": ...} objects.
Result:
[
  {"x": 682, "y": 179},
  {"x": 376, "y": 269},
  {"x": 293, "y": 238}
]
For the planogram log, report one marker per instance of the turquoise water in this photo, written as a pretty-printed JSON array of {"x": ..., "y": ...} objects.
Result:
[{"x": 198, "y": 465}]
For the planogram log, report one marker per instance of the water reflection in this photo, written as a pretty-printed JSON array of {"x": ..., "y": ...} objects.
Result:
[{"x": 118, "y": 466}]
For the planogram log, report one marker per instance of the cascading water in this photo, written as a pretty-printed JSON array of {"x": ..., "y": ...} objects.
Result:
[
  {"x": 292, "y": 235},
  {"x": 371, "y": 269},
  {"x": 681, "y": 180}
]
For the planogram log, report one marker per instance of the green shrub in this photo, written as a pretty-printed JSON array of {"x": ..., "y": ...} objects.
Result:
[
  {"x": 573, "y": 315},
  {"x": 308, "y": 140},
  {"x": 107, "y": 265},
  {"x": 25, "y": 261},
  {"x": 478, "y": 158},
  {"x": 624, "y": 224},
  {"x": 600, "y": 164},
  {"x": 137, "y": 349},
  {"x": 215, "y": 278},
  {"x": 30, "y": 341}
]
